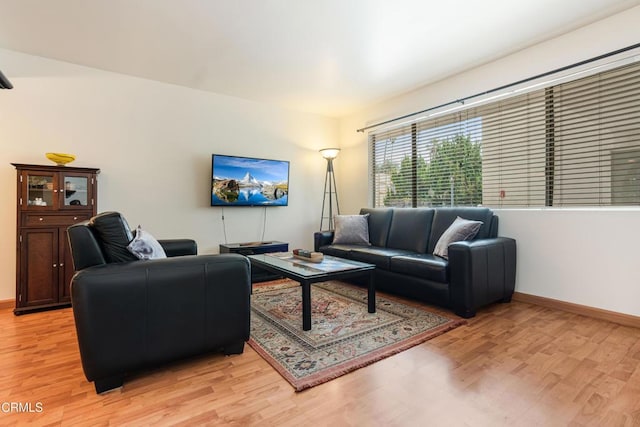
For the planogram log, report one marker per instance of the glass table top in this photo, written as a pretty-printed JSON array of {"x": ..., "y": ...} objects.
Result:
[{"x": 287, "y": 262}]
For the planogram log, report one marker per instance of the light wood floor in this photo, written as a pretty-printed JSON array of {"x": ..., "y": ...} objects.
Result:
[{"x": 513, "y": 365}]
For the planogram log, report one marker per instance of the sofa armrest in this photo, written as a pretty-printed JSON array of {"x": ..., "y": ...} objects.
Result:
[
  {"x": 179, "y": 247},
  {"x": 322, "y": 238},
  {"x": 130, "y": 315},
  {"x": 481, "y": 271}
]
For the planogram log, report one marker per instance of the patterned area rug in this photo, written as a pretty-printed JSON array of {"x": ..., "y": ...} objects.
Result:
[{"x": 343, "y": 335}]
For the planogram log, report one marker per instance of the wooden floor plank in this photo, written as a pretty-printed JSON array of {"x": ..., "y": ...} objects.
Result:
[{"x": 514, "y": 364}]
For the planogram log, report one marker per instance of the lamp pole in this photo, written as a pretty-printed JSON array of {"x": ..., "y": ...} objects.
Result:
[{"x": 330, "y": 188}]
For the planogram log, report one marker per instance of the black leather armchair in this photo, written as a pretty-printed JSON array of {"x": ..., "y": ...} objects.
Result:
[{"x": 132, "y": 314}]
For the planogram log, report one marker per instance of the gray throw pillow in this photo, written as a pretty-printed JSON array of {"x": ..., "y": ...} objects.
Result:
[
  {"x": 461, "y": 229},
  {"x": 351, "y": 230},
  {"x": 145, "y": 246}
]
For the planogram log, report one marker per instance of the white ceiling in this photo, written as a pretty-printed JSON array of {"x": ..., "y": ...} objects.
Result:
[{"x": 331, "y": 57}]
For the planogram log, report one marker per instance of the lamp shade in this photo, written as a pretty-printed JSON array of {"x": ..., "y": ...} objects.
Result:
[{"x": 330, "y": 153}]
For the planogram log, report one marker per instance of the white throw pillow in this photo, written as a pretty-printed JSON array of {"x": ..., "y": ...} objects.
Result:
[
  {"x": 145, "y": 246},
  {"x": 351, "y": 230},
  {"x": 461, "y": 229}
]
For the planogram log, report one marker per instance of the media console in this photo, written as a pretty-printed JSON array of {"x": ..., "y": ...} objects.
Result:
[{"x": 255, "y": 248}]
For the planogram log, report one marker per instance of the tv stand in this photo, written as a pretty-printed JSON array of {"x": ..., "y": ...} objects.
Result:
[
  {"x": 252, "y": 248},
  {"x": 254, "y": 244}
]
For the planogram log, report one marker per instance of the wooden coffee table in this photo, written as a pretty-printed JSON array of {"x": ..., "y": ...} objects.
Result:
[{"x": 307, "y": 272}]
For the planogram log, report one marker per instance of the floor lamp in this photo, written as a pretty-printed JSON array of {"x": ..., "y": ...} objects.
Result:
[{"x": 330, "y": 190}]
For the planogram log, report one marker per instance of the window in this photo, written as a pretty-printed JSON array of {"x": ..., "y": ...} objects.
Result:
[
  {"x": 573, "y": 144},
  {"x": 625, "y": 177},
  {"x": 431, "y": 163}
]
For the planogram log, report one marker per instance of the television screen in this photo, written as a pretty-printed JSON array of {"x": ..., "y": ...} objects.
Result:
[{"x": 245, "y": 181}]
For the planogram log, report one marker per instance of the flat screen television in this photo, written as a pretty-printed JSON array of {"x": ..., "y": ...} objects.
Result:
[{"x": 247, "y": 181}]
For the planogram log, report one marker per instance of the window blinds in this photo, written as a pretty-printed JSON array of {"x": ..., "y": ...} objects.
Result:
[{"x": 572, "y": 144}]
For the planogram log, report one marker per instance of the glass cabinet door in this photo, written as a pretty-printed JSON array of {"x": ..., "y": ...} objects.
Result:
[
  {"x": 75, "y": 190},
  {"x": 41, "y": 190}
]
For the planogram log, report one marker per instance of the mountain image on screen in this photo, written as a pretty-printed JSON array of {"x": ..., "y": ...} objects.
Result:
[
  {"x": 250, "y": 181},
  {"x": 243, "y": 181}
]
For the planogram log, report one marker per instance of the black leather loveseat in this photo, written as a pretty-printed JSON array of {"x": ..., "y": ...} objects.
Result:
[
  {"x": 134, "y": 314},
  {"x": 402, "y": 240}
]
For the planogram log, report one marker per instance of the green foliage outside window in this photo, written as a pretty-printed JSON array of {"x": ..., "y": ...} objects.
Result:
[{"x": 455, "y": 166}]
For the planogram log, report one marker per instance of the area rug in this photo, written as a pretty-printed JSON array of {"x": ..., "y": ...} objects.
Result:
[{"x": 343, "y": 335}]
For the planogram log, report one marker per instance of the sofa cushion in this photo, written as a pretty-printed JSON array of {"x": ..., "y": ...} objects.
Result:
[
  {"x": 342, "y": 251},
  {"x": 444, "y": 217},
  {"x": 114, "y": 235},
  {"x": 460, "y": 230},
  {"x": 424, "y": 266},
  {"x": 379, "y": 222},
  {"x": 410, "y": 229},
  {"x": 377, "y": 255},
  {"x": 86, "y": 250},
  {"x": 351, "y": 230}
]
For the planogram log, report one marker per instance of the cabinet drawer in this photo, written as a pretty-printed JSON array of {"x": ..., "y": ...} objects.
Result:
[{"x": 31, "y": 220}]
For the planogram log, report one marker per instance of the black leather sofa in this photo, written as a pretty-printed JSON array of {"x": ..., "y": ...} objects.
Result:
[
  {"x": 134, "y": 314},
  {"x": 477, "y": 272}
]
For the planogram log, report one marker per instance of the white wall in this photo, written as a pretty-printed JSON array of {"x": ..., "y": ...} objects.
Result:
[
  {"x": 587, "y": 257},
  {"x": 153, "y": 143},
  {"x": 584, "y": 256}
]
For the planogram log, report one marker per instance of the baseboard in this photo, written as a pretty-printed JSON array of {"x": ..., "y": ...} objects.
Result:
[
  {"x": 7, "y": 303},
  {"x": 596, "y": 313}
]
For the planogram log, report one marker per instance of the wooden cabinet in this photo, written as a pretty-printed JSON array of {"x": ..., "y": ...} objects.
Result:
[{"x": 49, "y": 199}]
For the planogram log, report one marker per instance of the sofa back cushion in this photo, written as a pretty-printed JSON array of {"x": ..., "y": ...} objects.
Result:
[
  {"x": 410, "y": 229},
  {"x": 85, "y": 249},
  {"x": 113, "y": 235},
  {"x": 444, "y": 217},
  {"x": 379, "y": 223}
]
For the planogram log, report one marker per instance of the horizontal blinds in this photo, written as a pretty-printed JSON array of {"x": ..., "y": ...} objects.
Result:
[
  {"x": 430, "y": 163},
  {"x": 513, "y": 151},
  {"x": 597, "y": 140},
  {"x": 449, "y": 150},
  {"x": 574, "y": 144},
  {"x": 392, "y": 175}
]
